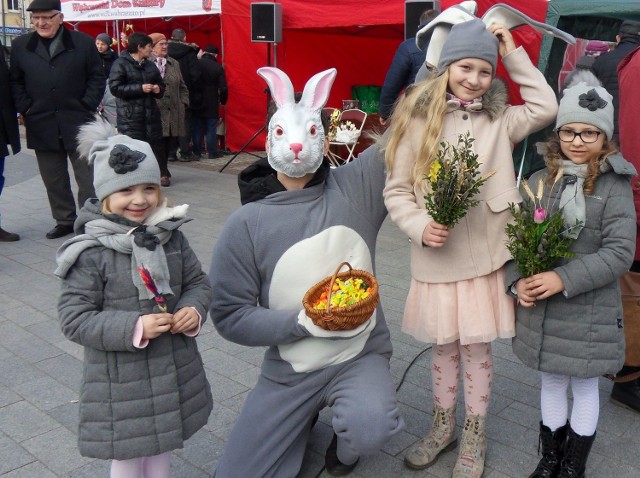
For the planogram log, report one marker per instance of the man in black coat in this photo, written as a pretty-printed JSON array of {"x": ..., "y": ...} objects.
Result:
[
  {"x": 214, "y": 94},
  {"x": 605, "y": 67},
  {"x": 57, "y": 81},
  {"x": 187, "y": 56},
  {"x": 9, "y": 134}
]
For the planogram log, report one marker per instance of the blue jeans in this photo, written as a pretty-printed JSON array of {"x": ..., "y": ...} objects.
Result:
[{"x": 210, "y": 126}]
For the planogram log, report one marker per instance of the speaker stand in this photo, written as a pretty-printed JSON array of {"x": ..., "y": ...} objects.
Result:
[{"x": 257, "y": 133}]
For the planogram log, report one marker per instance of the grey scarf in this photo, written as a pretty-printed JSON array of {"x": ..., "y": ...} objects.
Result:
[
  {"x": 140, "y": 242},
  {"x": 572, "y": 198}
]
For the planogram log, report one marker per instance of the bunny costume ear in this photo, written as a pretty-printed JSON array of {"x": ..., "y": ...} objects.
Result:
[
  {"x": 296, "y": 137},
  {"x": 316, "y": 91},
  {"x": 279, "y": 84},
  {"x": 437, "y": 31}
]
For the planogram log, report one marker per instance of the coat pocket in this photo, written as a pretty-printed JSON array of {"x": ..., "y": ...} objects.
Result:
[{"x": 501, "y": 201}]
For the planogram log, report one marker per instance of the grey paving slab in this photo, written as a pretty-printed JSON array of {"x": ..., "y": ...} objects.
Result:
[{"x": 40, "y": 371}]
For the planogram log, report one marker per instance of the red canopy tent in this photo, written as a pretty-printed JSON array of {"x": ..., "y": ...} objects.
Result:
[
  {"x": 358, "y": 38},
  {"x": 199, "y": 18}
]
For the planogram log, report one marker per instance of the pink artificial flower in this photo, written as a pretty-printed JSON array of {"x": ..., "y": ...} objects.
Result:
[{"x": 539, "y": 215}]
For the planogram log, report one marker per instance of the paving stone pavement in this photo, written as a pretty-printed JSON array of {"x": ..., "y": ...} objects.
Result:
[{"x": 41, "y": 370}]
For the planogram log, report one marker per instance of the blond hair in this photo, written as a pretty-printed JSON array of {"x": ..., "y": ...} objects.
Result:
[
  {"x": 106, "y": 207},
  {"x": 427, "y": 101},
  {"x": 553, "y": 160}
]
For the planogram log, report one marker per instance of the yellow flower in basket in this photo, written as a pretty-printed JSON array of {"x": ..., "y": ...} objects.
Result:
[{"x": 343, "y": 301}]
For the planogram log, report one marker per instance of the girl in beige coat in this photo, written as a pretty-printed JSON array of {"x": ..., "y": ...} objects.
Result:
[{"x": 456, "y": 299}]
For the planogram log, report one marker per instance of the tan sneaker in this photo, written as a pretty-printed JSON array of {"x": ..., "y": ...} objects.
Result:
[
  {"x": 441, "y": 438},
  {"x": 473, "y": 447}
]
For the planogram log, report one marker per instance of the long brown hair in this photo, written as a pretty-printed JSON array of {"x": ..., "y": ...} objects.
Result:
[{"x": 553, "y": 160}]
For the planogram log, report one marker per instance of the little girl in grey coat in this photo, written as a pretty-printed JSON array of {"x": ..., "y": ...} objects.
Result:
[
  {"x": 569, "y": 319},
  {"x": 144, "y": 389}
]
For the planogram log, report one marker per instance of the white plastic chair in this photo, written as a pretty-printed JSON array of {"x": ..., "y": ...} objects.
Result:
[{"x": 358, "y": 118}]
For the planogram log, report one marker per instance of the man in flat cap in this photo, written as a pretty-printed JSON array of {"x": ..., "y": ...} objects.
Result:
[
  {"x": 57, "y": 82},
  {"x": 605, "y": 66}
]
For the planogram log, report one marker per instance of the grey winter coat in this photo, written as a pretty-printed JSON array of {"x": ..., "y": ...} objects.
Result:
[
  {"x": 134, "y": 402},
  {"x": 579, "y": 332}
]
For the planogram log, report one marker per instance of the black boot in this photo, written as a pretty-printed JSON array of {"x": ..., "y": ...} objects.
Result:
[
  {"x": 332, "y": 463},
  {"x": 627, "y": 394},
  {"x": 552, "y": 445},
  {"x": 576, "y": 452}
]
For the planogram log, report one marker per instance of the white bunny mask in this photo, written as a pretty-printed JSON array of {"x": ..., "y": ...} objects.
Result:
[{"x": 295, "y": 134}]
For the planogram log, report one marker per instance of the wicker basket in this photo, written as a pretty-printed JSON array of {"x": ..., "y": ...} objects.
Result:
[{"x": 342, "y": 318}]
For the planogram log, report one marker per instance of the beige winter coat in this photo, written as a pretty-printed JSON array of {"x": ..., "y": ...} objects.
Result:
[
  {"x": 174, "y": 101},
  {"x": 476, "y": 245}
]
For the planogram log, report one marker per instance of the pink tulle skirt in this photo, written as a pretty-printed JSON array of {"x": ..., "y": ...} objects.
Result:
[{"x": 472, "y": 311}]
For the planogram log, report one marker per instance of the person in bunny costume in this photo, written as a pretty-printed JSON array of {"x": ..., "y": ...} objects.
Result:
[{"x": 299, "y": 221}]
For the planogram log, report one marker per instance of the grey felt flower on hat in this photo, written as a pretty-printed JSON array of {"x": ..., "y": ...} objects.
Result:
[
  {"x": 591, "y": 100},
  {"x": 124, "y": 159}
]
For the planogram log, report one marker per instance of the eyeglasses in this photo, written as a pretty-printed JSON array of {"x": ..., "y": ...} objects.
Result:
[
  {"x": 43, "y": 18},
  {"x": 587, "y": 136}
]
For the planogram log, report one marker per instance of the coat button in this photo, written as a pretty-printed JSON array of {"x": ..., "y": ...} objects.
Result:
[{"x": 465, "y": 116}]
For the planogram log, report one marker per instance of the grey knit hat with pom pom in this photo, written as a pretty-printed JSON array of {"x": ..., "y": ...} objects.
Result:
[
  {"x": 587, "y": 104},
  {"x": 118, "y": 161}
]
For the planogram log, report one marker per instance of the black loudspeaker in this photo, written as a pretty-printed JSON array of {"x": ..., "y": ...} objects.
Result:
[
  {"x": 412, "y": 11},
  {"x": 266, "y": 22}
]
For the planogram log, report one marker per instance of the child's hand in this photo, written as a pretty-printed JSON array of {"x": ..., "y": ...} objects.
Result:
[
  {"x": 184, "y": 320},
  {"x": 544, "y": 285},
  {"x": 155, "y": 324},
  {"x": 506, "y": 45},
  {"x": 525, "y": 298},
  {"x": 435, "y": 234}
]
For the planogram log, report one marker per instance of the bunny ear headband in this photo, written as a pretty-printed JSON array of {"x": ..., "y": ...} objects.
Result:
[{"x": 437, "y": 30}]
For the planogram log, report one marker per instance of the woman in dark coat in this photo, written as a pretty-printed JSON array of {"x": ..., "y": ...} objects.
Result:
[{"x": 136, "y": 83}]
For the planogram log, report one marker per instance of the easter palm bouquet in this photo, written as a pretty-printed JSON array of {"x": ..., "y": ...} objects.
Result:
[
  {"x": 538, "y": 238},
  {"x": 454, "y": 180}
]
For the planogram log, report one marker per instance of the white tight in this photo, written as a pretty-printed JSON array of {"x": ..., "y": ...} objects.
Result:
[
  {"x": 586, "y": 402},
  {"x": 145, "y": 467}
]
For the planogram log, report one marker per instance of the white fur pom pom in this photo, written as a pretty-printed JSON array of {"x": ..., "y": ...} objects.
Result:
[
  {"x": 90, "y": 133},
  {"x": 164, "y": 213}
]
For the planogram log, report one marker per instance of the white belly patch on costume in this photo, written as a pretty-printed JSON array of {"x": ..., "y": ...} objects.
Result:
[{"x": 300, "y": 267}]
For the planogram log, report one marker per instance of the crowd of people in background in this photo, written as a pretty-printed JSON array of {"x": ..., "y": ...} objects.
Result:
[
  {"x": 121, "y": 119},
  {"x": 165, "y": 92}
]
